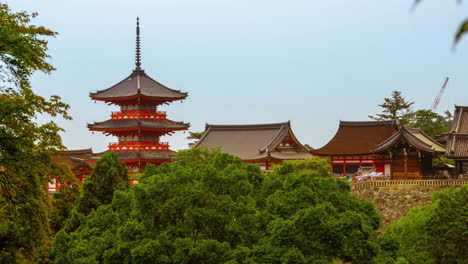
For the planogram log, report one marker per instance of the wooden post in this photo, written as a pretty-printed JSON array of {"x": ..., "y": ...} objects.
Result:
[
  {"x": 391, "y": 166},
  {"x": 344, "y": 167},
  {"x": 406, "y": 163}
]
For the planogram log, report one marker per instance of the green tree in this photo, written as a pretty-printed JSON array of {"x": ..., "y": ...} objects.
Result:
[
  {"x": 25, "y": 145},
  {"x": 221, "y": 210},
  {"x": 436, "y": 233},
  {"x": 107, "y": 176},
  {"x": 431, "y": 123},
  {"x": 64, "y": 199},
  {"x": 314, "y": 219},
  {"x": 315, "y": 167},
  {"x": 395, "y": 108}
]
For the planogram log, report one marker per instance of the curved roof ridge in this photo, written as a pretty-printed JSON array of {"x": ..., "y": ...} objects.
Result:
[
  {"x": 249, "y": 141},
  {"x": 76, "y": 151},
  {"x": 276, "y": 140},
  {"x": 143, "y": 84},
  {"x": 104, "y": 90},
  {"x": 247, "y": 126},
  {"x": 411, "y": 138},
  {"x": 207, "y": 131},
  {"x": 367, "y": 123},
  {"x": 173, "y": 90},
  {"x": 428, "y": 137},
  {"x": 357, "y": 138}
]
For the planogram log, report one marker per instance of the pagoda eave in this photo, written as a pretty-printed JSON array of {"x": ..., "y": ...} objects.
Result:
[
  {"x": 137, "y": 96},
  {"x": 137, "y": 129}
]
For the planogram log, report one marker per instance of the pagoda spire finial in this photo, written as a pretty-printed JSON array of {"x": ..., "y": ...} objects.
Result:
[{"x": 138, "y": 52}]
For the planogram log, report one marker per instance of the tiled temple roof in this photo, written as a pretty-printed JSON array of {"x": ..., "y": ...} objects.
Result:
[
  {"x": 357, "y": 138},
  {"x": 414, "y": 137},
  {"x": 254, "y": 142}
]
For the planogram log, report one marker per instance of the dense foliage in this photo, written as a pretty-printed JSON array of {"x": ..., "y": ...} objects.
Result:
[
  {"x": 64, "y": 199},
  {"x": 221, "y": 210},
  {"x": 25, "y": 145},
  {"x": 431, "y": 123},
  {"x": 436, "y": 233},
  {"x": 315, "y": 166},
  {"x": 108, "y": 176}
]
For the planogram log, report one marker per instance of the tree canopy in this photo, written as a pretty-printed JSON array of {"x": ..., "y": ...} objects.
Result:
[
  {"x": 25, "y": 145},
  {"x": 221, "y": 210},
  {"x": 107, "y": 176},
  {"x": 431, "y": 123}
]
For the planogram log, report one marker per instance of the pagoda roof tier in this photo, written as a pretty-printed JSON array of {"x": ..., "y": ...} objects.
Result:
[
  {"x": 138, "y": 85},
  {"x": 137, "y": 155},
  {"x": 255, "y": 142},
  {"x": 357, "y": 138},
  {"x": 414, "y": 137},
  {"x": 138, "y": 124}
]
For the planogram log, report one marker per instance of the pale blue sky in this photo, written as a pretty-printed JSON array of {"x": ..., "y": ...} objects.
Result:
[{"x": 254, "y": 61}]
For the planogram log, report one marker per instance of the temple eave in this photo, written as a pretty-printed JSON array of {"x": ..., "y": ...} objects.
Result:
[
  {"x": 137, "y": 96},
  {"x": 137, "y": 128}
]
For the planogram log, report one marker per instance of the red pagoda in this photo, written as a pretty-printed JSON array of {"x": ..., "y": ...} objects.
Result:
[{"x": 138, "y": 125}]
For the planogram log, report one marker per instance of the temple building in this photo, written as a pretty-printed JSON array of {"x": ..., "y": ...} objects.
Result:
[
  {"x": 352, "y": 147},
  {"x": 457, "y": 140},
  {"x": 398, "y": 153},
  {"x": 411, "y": 152},
  {"x": 138, "y": 125},
  {"x": 76, "y": 160},
  {"x": 264, "y": 144}
]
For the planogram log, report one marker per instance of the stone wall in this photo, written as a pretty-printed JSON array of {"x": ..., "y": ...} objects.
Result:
[{"x": 394, "y": 202}]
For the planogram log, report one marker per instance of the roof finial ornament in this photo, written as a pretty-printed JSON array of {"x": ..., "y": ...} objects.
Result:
[{"x": 138, "y": 53}]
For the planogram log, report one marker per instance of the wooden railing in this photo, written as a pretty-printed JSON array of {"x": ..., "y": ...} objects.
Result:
[
  {"x": 138, "y": 145},
  {"x": 376, "y": 183},
  {"x": 139, "y": 114}
]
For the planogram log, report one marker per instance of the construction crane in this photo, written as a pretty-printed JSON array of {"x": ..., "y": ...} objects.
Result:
[{"x": 441, "y": 92}]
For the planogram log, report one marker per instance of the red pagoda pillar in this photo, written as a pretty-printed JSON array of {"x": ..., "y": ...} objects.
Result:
[{"x": 138, "y": 125}]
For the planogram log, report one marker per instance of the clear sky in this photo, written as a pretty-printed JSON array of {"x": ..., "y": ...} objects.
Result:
[{"x": 254, "y": 61}]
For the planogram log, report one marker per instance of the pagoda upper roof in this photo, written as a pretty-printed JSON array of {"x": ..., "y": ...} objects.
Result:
[
  {"x": 254, "y": 142},
  {"x": 357, "y": 138},
  {"x": 415, "y": 137},
  {"x": 117, "y": 124},
  {"x": 130, "y": 155},
  {"x": 138, "y": 84}
]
